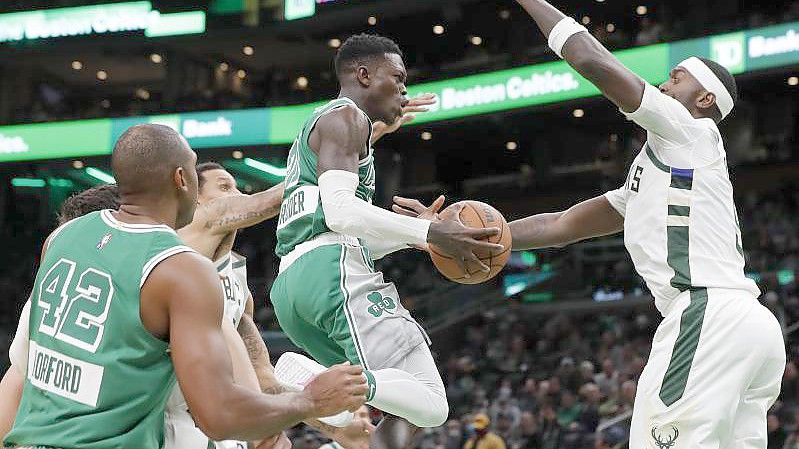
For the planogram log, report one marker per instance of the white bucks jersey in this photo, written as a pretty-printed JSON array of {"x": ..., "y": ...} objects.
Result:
[
  {"x": 232, "y": 270},
  {"x": 181, "y": 432},
  {"x": 680, "y": 222}
]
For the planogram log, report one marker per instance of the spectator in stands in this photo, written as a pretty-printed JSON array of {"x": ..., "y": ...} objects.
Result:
[
  {"x": 613, "y": 437},
  {"x": 483, "y": 438},
  {"x": 776, "y": 434}
]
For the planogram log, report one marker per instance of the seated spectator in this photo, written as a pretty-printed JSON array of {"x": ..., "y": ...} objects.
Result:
[{"x": 483, "y": 438}]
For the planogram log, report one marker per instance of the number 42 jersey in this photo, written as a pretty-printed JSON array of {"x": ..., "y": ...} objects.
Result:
[{"x": 96, "y": 377}]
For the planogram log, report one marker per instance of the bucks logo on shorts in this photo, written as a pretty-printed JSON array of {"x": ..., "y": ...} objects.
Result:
[
  {"x": 380, "y": 304},
  {"x": 665, "y": 436}
]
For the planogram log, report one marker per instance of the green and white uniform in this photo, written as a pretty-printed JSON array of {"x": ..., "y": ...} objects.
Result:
[
  {"x": 328, "y": 298},
  {"x": 179, "y": 426},
  {"x": 718, "y": 356},
  {"x": 95, "y": 377}
]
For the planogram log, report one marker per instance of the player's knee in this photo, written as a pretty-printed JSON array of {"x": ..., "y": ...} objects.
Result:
[{"x": 435, "y": 414}]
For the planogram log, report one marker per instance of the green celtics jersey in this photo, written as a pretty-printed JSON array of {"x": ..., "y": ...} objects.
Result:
[
  {"x": 96, "y": 378},
  {"x": 301, "y": 215}
]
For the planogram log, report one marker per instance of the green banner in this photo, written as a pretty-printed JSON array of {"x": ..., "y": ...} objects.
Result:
[
  {"x": 529, "y": 86},
  {"x": 240, "y": 127},
  {"x": 458, "y": 97},
  {"x": 55, "y": 140},
  {"x": 98, "y": 19}
]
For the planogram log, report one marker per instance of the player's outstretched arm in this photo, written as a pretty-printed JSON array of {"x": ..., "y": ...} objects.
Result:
[
  {"x": 590, "y": 218},
  {"x": 182, "y": 299},
  {"x": 339, "y": 139},
  {"x": 224, "y": 215},
  {"x": 588, "y": 57}
]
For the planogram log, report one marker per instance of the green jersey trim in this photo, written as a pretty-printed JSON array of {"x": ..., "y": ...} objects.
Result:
[
  {"x": 660, "y": 165},
  {"x": 160, "y": 257},
  {"x": 109, "y": 219}
]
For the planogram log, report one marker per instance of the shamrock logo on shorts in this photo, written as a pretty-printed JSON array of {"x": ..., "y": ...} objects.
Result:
[{"x": 380, "y": 304}]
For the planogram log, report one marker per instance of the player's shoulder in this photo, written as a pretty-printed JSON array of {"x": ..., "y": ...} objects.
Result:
[
  {"x": 347, "y": 116},
  {"x": 183, "y": 267}
]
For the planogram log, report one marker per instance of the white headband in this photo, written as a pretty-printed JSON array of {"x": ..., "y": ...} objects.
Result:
[{"x": 710, "y": 82}]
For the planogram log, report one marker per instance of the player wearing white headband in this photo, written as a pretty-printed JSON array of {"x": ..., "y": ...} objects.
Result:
[{"x": 718, "y": 355}]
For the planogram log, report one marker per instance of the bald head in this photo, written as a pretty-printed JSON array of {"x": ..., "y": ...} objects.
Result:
[
  {"x": 145, "y": 157},
  {"x": 155, "y": 164}
]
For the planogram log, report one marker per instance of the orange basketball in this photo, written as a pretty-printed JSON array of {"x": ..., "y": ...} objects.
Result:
[{"x": 476, "y": 215}]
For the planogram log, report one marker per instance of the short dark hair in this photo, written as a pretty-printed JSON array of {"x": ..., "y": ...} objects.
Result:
[
  {"x": 725, "y": 77},
  {"x": 363, "y": 46},
  {"x": 204, "y": 167},
  {"x": 100, "y": 197}
]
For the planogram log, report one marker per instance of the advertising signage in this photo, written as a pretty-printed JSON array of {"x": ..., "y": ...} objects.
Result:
[
  {"x": 98, "y": 20},
  {"x": 483, "y": 93}
]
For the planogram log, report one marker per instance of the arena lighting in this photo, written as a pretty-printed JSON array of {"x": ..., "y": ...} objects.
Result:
[
  {"x": 438, "y": 29},
  {"x": 476, "y": 40},
  {"x": 266, "y": 168},
  {"x": 96, "y": 173},
  {"x": 586, "y": 20},
  {"x": 578, "y": 113},
  {"x": 143, "y": 94},
  {"x": 241, "y": 73},
  {"x": 511, "y": 146},
  {"x": 77, "y": 165},
  {"x": 106, "y": 103},
  {"x": 77, "y": 65},
  {"x": 238, "y": 154},
  {"x": 611, "y": 28},
  {"x": 156, "y": 58},
  {"x": 102, "y": 75},
  {"x": 427, "y": 135},
  {"x": 28, "y": 182},
  {"x": 334, "y": 43},
  {"x": 98, "y": 20},
  {"x": 302, "y": 82},
  {"x": 641, "y": 10},
  {"x": 248, "y": 50},
  {"x": 372, "y": 20},
  {"x": 224, "y": 66},
  {"x": 793, "y": 81},
  {"x": 504, "y": 14}
]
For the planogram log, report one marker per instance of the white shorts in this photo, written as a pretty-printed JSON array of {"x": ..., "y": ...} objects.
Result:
[{"x": 715, "y": 369}]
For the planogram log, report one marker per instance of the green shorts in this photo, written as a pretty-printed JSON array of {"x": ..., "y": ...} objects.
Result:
[{"x": 332, "y": 304}]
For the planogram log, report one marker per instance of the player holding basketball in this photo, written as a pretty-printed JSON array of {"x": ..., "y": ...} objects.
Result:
[
  {"x": 114, "y": 291},
  {"x": 327, "y": 297},
  {"x": 718, "y": 356}
]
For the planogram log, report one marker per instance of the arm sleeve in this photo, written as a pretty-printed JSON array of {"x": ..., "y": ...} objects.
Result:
[
  {"x": 618, "y": 199},
  {"x": 18, "y": 352},
  {"x": 381, "y": 248},
  {"x": 347, "y": 214},
  {"x": 667, "y": 118}
]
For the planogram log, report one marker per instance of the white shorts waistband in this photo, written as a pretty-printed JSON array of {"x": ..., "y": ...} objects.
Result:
[{"x": 327, "y": 238}]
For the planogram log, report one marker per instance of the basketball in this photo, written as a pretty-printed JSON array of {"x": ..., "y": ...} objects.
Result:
[{"x": 475, "y": 215}]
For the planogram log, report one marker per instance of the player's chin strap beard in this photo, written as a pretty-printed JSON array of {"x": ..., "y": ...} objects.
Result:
[{"x": 710, "y": 82}]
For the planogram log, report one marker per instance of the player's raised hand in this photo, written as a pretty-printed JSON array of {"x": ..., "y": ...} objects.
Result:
[
  {"x": 414, "y": 208},
  {"x": 342, "y": 387},
  {"x": 415, "y": 105},
  {"x": 460, "y": 242}
]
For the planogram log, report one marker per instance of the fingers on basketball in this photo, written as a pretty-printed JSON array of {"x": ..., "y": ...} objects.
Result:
[{"x": 476, "y": 214}]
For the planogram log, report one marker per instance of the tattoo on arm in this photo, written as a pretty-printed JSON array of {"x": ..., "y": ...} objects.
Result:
[
  {"x": 259, "y": 356},
  {"x": 237, "y": 219}
]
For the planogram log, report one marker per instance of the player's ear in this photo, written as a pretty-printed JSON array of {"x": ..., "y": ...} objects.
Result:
[
  {"x": 706, "y": 101},
  {"x": 179, "y": 178},
  {"x": 363, "y": 76}
]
